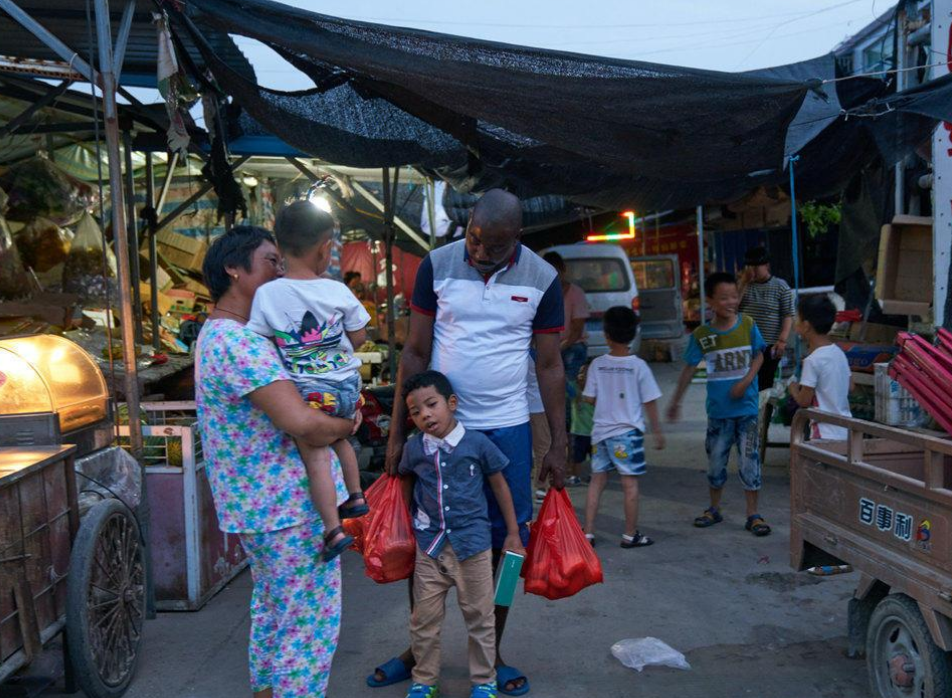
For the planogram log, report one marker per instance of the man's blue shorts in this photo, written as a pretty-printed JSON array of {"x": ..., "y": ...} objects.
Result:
[{"x": 516, "y": 444}]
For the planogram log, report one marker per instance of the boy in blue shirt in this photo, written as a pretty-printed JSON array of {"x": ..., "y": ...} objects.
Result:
[
  {"x": 452, "y": 466},
  {"x": 732, "y": 348}
]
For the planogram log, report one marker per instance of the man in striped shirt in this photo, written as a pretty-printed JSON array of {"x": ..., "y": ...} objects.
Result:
[
  {"x": 769, "y": 301},
  {"x": 478, "y": 304}
]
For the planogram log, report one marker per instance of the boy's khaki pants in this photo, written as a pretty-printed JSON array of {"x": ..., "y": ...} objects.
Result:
[{"x": 473, "y": 579}]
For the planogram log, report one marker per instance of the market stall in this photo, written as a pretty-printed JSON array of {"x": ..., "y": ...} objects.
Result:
[{"x": 71, "y": 553}]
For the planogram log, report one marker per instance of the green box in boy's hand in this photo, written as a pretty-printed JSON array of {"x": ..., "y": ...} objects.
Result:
[{"x": 508, "y": 578}]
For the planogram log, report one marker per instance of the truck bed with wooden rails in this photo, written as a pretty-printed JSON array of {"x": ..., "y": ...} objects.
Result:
[{"x": 881, "y": 501}]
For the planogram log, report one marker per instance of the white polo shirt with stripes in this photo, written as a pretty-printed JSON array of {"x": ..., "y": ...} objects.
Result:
[{"x": 483, "y": 328}]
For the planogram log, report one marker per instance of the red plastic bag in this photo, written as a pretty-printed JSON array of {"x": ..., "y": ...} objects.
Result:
[
  {"x": 356, "y": 528},
  {"x": 389, "y": 543},
  {"x": 560, "y": 561}
]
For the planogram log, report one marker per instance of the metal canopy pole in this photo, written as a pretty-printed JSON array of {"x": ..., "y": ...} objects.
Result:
[
  {"x": 700, "y": 261},
  {"x": 153, "y": 252},
  {"x": 122, "y": 38},
  {"x": 389, "y": 234},
  {"x": 942, "y": 173},
  {"x": 170, "y": 166},
  {"x": 51, "y": 96},
  {"x": 411, "y": 233},
  {"x": 181, "y": 208},
  {"x": 126, "y": 315},
  {"x": 133, "y": 233}
]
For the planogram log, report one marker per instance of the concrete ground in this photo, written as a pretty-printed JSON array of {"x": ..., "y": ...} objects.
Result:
[{"x": 747, "y": 623}]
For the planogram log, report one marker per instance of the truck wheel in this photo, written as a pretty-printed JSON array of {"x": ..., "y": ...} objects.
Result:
[{"x": 902, "y": 659}]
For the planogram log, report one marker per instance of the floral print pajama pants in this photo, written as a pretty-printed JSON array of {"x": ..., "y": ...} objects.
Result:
[{"x": 295, "y": 611}]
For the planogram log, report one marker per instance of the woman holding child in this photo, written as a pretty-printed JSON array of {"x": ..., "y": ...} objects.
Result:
[{"x": 250, "y": 414}]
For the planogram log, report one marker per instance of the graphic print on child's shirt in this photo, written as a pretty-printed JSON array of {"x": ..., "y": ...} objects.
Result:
[
  {"x": 728, "y": 355},
  {"x": 309, "y": 320},
  {"x": 312, "y": 348}
]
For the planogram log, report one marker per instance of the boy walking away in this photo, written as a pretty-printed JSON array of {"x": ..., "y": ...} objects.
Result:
[
  {"x": 733, "y": 350},
  {"x": 454, "y": 542},
  {"x": 825, "y": 381},
  {"x": 316, "y": 324},
  {"x": 622, "y": 389},
  {"x": 580, "y": 430}
]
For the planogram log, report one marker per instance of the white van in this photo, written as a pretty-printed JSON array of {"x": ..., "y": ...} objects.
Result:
[{"x": 605, "y": 274}]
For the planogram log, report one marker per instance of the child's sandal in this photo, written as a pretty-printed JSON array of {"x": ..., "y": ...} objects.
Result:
[
  {"x": 354, "y": 507},
  {"x": 756, "y": 525},
  {"x": 710, "y": 517},
  {"x": 343, "y": 541}
]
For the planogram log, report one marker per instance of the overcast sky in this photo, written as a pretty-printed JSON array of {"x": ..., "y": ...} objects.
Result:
[{"x": 729, "y": 35}]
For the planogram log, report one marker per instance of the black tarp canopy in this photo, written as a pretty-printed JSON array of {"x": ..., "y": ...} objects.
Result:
[{"x": 600, "y": 131}]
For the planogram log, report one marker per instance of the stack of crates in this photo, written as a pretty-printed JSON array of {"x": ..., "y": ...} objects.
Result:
[{"x": 895, "y": 406}]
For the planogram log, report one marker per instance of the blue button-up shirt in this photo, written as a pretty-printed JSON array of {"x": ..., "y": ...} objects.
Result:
[{"x": 449, "y": 503}]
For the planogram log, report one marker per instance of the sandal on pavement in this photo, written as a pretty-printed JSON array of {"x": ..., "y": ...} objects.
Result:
[
  {"x": 332, "y": 550},
  {"x": 506, "y": 675},
  {"x": 484, "y": 690},
  {"x": 756, "y": 525},
  {"x": 354, "y": 507},
  {"x": 590, "y": 537},
  {"x": 636, "y": 541},
  {"x": 421, "y": 690},
  {"x": 393, "y": 670},
  {"x": 710, "y": 517}
]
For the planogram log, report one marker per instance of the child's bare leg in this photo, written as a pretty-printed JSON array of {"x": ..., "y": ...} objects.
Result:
[
  {"x": 348, "y": 464},
  {"x": 629, "y": 484},
  {"x": 716, "y": 498},
  {"x": 573, "y": 468},
  {"x": 321, "y": 483},
  {"x": 595, "y": 488},
  {"x": 751, "y": 497}
]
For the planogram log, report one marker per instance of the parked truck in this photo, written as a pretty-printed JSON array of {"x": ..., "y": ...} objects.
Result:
[{"x": 881, "y": 501}]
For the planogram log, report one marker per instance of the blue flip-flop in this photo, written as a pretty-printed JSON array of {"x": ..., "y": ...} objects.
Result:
[
  {"x": 505, "y": 674},
  {"x": 394, "y": 671}
]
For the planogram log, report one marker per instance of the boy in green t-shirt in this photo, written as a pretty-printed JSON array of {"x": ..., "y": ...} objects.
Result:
[
  {"x": 732, "y": 348},
  {"x": 583, "y": 417}
]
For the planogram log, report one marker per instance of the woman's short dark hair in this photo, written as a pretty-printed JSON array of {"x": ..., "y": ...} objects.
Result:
[
  {"x": 620, "y": 324},
  {"x": 716, "y": 279},
  {"x": 819, "y": 311},
  {"x": 233, "y": 249},
  {"x": 428, "y": 379}
]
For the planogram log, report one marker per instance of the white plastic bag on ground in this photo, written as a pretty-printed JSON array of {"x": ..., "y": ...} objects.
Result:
[{"x": 648, "y": 651}]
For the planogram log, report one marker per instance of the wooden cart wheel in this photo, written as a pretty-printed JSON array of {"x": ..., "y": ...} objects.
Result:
[
  {"x": 902, "y": 659},
  {"x": 105, "y": 606}
]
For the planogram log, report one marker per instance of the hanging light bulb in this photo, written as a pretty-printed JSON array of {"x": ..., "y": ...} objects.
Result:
[{"x": 321, "y": 202}]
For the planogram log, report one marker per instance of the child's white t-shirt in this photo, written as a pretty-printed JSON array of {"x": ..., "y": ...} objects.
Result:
[
  {"x": 309, "y": 320},
  {"x": 827, "y": 371},
  {"x": 620, "y": 385}
]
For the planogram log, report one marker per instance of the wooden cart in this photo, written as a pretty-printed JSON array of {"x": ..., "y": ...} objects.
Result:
[
  {"x": 882, "y": 502},
  {"x": 60, "y": 572}
]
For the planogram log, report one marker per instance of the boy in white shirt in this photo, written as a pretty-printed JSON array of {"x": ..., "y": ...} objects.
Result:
[
  {"x": 825, "y": 379},
  {"x": 317, "y": 323},
  {"x": 623, "y": 390}
]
